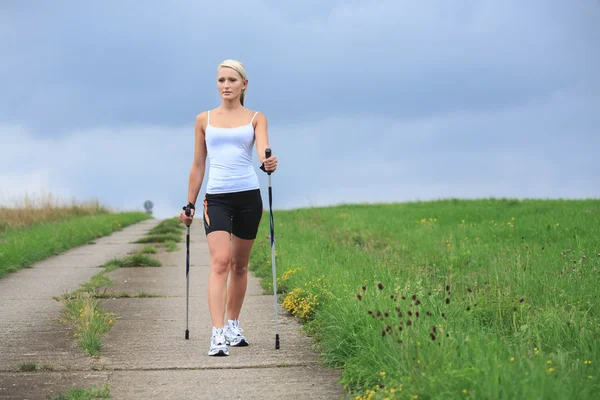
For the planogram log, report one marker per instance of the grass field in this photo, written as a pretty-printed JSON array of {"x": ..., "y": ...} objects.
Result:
[
  {"x": 33, "y": 230},
  {"x": 453, "y": 299},
  {"x": 30, "y": 210}
]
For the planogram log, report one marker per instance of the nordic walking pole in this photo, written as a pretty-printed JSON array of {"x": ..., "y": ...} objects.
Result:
[
  {"x": 187, "y": 274},
  {"x": 268, "y": 154}
]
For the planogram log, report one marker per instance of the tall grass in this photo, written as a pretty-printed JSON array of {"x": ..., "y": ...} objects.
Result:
[
  {"x": 29, "y": 210},
  {"x": 33, "y": 229},
  {"x": 450, "y": 299}
]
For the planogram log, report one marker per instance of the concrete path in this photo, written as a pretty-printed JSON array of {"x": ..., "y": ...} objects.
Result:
[{"x": 145, "y": 355}]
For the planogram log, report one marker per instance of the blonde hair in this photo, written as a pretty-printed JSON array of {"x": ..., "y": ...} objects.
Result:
[{"x": 237, "y": 66}]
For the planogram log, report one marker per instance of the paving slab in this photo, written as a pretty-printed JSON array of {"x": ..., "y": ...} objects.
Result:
[
  {"x": 149, "y": 334},
  {"x": 275, "y": 384},
  {"x": 29, "y": 328},
  {"x": 46, "y": 385},
  {"x": 165, "y": 281}
]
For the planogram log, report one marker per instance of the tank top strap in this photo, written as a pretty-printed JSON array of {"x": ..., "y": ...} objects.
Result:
[
  {"x": 208, "y": 117},
  {"x": 254, "y": 116}
]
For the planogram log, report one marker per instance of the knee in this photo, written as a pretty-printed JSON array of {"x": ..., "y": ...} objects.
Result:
[
  {"x": 239, "y": 267},
  {"x": 219, "y": 264}
]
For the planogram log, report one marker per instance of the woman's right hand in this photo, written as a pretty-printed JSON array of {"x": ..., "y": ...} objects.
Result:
[{"x": 185, "y": 219}]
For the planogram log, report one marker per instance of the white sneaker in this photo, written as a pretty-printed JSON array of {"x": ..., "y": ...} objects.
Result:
[
  {"x": 233, "y": 334},
  {"x": 218, "y": 344}
]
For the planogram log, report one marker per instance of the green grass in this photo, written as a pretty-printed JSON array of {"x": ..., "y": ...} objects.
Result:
[
  {"x": 160, "y": 238},
  {"x": 166, "y": 234},
  {"x": 80, "y": 393},
  {"x": 168, "y": 226},
  {"x": 506, "y": 293},
  {"x": 85, "y": 313},
  {"x": 148, "y": 249},
  {"x": 171, "y": 246},
  {"x": 21, "y": 247},
  {"x": 28, "y": 367}
]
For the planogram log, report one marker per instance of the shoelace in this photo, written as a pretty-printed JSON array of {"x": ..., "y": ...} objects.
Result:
[
  {"x": 236, "y": 329},
  {"x": 219, "y": 337}
]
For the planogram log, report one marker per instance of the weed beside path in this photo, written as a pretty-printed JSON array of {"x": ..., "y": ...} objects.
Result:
[{"x": 449, "y": 299}]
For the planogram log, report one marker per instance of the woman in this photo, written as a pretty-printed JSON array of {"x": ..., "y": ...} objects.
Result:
[{"x": 232, "y": 208}]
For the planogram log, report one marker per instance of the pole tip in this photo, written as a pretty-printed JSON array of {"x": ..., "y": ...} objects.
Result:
[
  {"x": 277, "y": 341},
  {"x": 187, "y": 334}
]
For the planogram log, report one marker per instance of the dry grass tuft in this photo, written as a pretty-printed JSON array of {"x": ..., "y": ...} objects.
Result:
[{"x": 29, "y": 210}]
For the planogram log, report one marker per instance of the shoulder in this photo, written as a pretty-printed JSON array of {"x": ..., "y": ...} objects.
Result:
[
  {"x": 258, "y": 117},
  {"x": 202, "y": 120}
]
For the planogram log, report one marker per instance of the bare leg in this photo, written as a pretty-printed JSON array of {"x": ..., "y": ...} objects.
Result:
[
  {"x": 238, "y": 280},
  {"x": 220, "y": 256}
]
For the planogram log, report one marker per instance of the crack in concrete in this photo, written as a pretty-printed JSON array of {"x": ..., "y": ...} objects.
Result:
[{"x": 112, "y": 370}]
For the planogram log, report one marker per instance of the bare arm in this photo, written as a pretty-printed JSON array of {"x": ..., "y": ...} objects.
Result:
[
  {"x": 262, "y": 143},
  {"x": 262, "y": 136},
  {"x": 199, "y": 163}
]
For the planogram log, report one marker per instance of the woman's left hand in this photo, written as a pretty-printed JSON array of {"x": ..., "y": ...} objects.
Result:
[{"x": 270, "y": 164}]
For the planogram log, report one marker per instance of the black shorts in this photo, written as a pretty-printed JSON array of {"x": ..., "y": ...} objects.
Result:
[{"x": 238, "y": 213}]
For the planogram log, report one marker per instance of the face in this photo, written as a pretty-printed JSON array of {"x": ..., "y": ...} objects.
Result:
[{"x": 230, "y": 83}]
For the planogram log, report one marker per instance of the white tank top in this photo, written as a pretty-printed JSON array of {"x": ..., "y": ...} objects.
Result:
[{"x": 229, "y": 152}]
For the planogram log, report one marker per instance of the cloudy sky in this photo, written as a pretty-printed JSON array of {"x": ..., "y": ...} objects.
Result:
[{"x": 367, "y": 101}]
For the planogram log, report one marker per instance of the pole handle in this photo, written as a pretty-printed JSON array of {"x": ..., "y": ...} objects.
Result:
[{"x": 267, "y": 155}]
